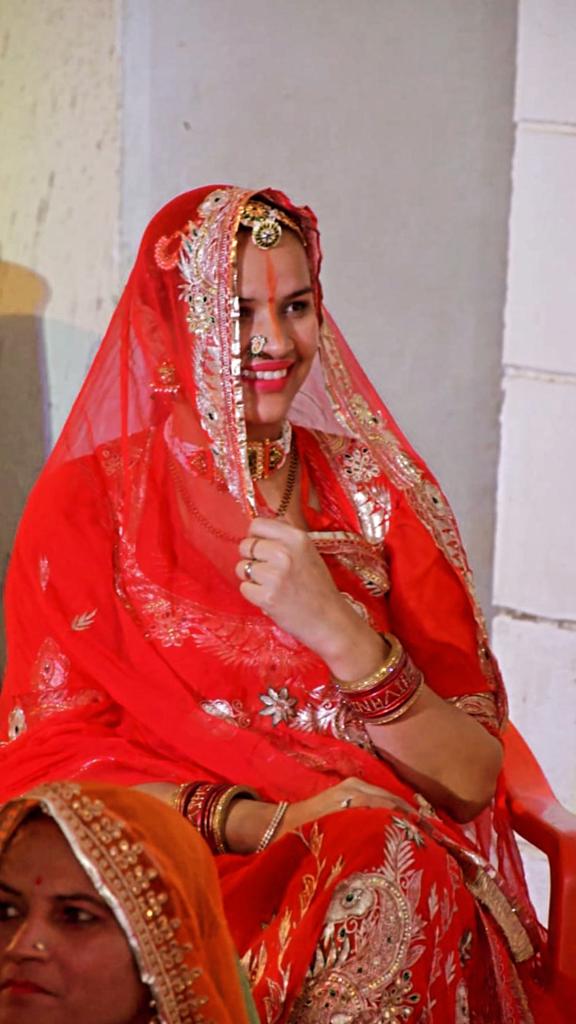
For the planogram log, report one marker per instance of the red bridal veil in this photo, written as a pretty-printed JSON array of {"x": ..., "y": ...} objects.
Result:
[{"x": 132, "y": 654}]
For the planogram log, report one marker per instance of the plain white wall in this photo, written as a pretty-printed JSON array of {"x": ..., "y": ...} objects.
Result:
[
  {"x": 59, "y": 207},
  {"x": 393, "y": 119}
]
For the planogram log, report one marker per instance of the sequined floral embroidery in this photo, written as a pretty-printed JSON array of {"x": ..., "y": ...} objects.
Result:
[
  {"x": 229, "y": 711},
  {"x": 359, "y": 465},
  {"x": 279, "y": 705},
  {"x": 373, "y": 935}
]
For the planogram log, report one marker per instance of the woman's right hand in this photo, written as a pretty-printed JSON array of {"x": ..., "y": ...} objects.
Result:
[
  {"x": 248, "y": 819},
  {"x": 351, "y": 792}
]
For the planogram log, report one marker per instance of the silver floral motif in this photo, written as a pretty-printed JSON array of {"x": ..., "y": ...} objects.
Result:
[
  {"x": 279, "y": 705},
  {"x": 410, "y": 831},
  {"x": 360, "y": 466},
  {"x": 16, "y": 722},
  {"x": 228, "y": 711}
]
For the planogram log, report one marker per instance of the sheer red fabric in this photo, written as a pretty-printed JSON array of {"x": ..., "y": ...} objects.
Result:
[{"x": 132, "y": 655}]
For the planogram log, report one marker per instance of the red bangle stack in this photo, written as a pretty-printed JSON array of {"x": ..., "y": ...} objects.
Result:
[
  {"x": 206, "y": 804},
  {"x": 390, "y": 691}
]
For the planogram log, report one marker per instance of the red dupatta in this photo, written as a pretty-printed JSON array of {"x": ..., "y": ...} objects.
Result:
[{"x": 132, "y": 655}]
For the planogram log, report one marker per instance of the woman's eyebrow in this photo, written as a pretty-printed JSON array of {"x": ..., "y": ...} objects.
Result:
[
  {"x": 84, "y": 896},
  {"x": 9, "y": 889},
  {"x": 60, "y": 897}
]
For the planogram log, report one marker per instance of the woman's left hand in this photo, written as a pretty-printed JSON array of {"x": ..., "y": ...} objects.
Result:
[{"x": 287, "y": 579}]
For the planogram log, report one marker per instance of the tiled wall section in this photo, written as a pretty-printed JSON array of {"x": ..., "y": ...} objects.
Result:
[{"x": 535, "y": 564}]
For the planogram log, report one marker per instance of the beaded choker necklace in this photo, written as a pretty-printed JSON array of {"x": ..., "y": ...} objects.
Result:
[{"x": 266, "y": 457}]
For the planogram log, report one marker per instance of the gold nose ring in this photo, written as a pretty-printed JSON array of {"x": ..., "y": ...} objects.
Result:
[
  {"x": 257, "y": 344},
  {"x": 40, "y": 947}
]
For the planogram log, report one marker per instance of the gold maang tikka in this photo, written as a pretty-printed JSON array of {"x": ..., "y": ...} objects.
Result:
[{"x": 266, "y": 224}]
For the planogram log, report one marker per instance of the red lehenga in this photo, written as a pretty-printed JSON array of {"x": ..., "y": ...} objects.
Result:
[{"x": 133, "y": 657}]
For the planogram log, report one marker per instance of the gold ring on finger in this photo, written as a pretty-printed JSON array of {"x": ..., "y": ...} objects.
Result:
[
  {"x": 248, "y": 570},
  {"x": 251, "y": 555},
  {"x": 346, "y": 803}
]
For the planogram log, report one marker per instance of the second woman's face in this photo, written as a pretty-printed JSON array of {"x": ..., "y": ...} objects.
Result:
[
  {"x": 276, "y": 302},
  {"x": 63, "y": 957}
]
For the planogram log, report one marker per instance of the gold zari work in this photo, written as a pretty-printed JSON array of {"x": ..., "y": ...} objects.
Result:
[{"x": 425, "y": 498}]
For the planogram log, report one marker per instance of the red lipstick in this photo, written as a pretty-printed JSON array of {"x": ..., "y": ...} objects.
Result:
[
  {"x": 267, "y": 374},
  {"x": 22, "y": 987}
]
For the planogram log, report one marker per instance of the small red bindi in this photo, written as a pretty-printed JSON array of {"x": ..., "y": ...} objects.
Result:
[{"x": 38, "y": 880}]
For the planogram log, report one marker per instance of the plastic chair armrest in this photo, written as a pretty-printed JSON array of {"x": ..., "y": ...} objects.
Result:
[{"x": 538, "y": 816}]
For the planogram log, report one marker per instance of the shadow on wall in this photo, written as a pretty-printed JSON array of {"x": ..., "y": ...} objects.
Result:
[{"x": 23, "y": 298}]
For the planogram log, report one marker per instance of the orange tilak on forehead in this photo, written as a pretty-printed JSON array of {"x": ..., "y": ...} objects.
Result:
[{"x": 272, "y": 281}]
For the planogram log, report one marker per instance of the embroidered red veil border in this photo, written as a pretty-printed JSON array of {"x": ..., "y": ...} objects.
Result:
[{"x": 132, "y": 655}]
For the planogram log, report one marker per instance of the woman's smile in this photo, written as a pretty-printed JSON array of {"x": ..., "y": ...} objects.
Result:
[{"x": 268, "y": 375}]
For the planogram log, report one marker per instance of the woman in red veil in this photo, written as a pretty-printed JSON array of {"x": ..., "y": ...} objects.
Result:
[{"x": 237, "y": 586}]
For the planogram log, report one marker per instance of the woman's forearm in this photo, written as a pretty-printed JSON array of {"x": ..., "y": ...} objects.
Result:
[
  {"x": 435, "y": 747},
  {"x": 246, "y": 822},
  {"x": 443, "y": 753}
]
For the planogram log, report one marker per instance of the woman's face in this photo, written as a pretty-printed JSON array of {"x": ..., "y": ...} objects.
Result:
[
  {"x": 63, "y": 957},
  {"x": 276, "y": 301}
]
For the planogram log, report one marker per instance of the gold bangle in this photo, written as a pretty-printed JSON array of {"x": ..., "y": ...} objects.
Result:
[
  {"x": 220, "y": 812},
  {"x": 389, "y": 666},
  {"x": 177, "y": 797},
  {"x": 273, "y": 826},
  {"x": 385, "y": 719}
]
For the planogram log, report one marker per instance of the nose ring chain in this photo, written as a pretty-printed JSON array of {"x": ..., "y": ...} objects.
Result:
[{"x": 257, "y": 344}]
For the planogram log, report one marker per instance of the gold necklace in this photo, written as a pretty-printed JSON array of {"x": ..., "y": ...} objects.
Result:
[
  {"x": 267, "y": 457},
  {"x": 175, "y": 472},
  {"x": 289, "y": 486}
]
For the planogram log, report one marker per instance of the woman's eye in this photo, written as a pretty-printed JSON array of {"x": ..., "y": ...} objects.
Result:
[
  {"x": 77, "y": 915},
  {"x": 298, "y": 306},
  {"x": 8, "y": 912}
]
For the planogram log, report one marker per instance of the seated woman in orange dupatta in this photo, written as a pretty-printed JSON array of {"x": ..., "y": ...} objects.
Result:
[
  {"x": 238, "y": 586},
  {"x": 110, "y": 913}
]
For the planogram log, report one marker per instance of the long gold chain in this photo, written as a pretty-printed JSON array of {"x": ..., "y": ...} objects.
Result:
[
  {"x": 290, "y": 482},
  {"x": 196, "y": 514},
  {"x": 194, "y": 511}
]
